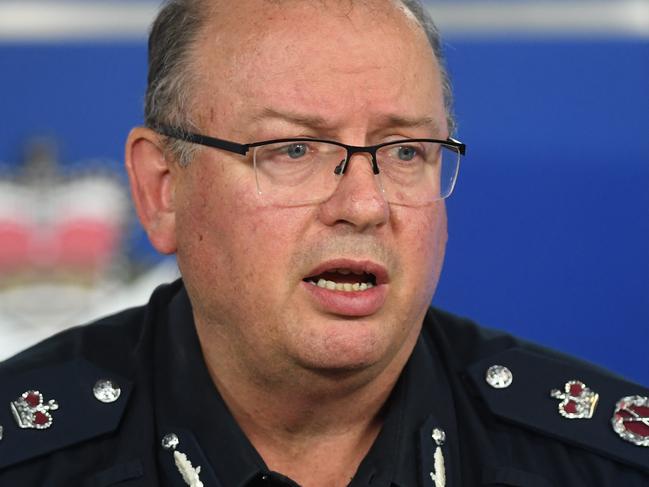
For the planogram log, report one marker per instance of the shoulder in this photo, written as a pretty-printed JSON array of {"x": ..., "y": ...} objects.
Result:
[
  {"x": 75, "y": 386},
  {"x": 471, "y": 342},
  {"x": 544, "y": 396},
  {"x": 91, "y": 340},
  {"x": 110, "y": 341}
]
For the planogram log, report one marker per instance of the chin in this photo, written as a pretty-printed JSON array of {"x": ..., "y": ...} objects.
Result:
[
  {"x": 346, "y": 347},
  {"x": 343, "y": 362}
]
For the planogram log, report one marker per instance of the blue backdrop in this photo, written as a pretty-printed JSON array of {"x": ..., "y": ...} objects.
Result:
[{"x": 549, "y": 225}]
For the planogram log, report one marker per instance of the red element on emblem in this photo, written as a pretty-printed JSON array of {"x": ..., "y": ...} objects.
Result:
[
  {"x": 40, "y": 418},
  {"x": 577, "y": 400},
  {"x": 55, "y": 226},
  {"x": 30, "y": 412},
  {"x": 576, "y": 388},
  {"x": 631, "y": 419},
  {"x": 33, "y": 399},
  {"x": 570, "y": 407}
]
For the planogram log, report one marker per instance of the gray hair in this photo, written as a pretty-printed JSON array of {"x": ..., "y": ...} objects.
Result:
[
  {"x": 432, "y": 33},
  {"x": 168, "y": 99}
]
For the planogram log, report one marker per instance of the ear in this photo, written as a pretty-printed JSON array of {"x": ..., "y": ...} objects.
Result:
[{"x": 152, "y": 187}]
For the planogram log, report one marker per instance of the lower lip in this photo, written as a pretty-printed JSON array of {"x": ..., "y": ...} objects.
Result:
[{"x": 344, "y": 303}]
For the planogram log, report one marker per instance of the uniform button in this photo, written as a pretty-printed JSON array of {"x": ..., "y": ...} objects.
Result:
[
  {"x": 170, "y": 441},
  {"x": 106, "y": 391},
  {"x": 499, "y": 377}
]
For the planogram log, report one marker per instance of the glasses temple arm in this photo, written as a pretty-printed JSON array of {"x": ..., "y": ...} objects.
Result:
[{"x": 202, "y": 139}]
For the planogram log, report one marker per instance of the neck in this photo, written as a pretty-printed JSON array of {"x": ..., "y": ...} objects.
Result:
[
  {"x": 313, "y": 426},
  {"x": 316, "y": 439}
]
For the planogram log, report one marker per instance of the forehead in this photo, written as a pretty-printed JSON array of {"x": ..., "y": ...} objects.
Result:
[{"x": 329, "y": 57}]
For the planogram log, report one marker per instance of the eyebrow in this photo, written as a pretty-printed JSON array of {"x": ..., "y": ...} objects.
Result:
[
  {"x": 311, "y": 121},
  {"x": 319, "y": 123},
  {"x": 400, "y": 121}
]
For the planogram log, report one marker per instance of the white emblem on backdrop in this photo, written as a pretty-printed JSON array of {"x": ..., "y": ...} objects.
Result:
[{"x": 64, "y": 232}]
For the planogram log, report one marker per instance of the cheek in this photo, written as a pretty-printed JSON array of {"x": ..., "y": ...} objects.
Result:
[
  {"x": 227, "y": 233},
  {"x": 435, "y": 234},
  {"x": 425, "y": 236},
  {"x": 273, "y": 236},
  {"x": 205, "y": 205}
]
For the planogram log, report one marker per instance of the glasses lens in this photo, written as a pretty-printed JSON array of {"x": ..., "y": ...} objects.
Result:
[
  {"x": 303, "y": 171},
  {"x": 298, "y": 171},
  {"x": 417, "y": 173}
]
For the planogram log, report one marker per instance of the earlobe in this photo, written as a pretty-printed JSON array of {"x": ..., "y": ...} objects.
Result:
[{"x": 151, "y": 178}]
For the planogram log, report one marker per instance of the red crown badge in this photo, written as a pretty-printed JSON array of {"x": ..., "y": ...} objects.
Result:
[
  {"x": 577, "y": 402},
  {"x": 30, "y": 412}
]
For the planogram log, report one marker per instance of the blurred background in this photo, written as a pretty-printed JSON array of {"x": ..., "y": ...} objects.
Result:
[{"x": 549, "y": 224}]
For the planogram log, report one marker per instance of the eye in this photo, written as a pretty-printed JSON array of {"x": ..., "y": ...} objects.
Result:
[
  {"x": 406, "y": 153},
  {"x": 296, "y": 150}
]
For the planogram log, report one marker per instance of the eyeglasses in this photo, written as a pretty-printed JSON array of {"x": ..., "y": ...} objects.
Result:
[{"x": 298, "y": 171}]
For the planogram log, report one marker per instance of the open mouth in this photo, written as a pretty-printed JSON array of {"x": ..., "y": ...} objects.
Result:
[{"x": 343, "y": 279}]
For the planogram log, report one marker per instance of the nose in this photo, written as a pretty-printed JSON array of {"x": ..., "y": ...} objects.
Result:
[{"x": 358, "y": 200}]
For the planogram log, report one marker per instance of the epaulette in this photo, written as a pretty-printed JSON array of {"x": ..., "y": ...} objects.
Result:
[
  {"x": 568, "y": 400},
  {"x": 43, "y": 410}
]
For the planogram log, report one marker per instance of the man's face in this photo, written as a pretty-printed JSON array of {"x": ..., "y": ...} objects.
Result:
[{"x": 271, "y": 70}]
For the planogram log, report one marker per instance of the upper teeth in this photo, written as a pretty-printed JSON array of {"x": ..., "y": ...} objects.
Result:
[{"x": 342, "y": 286}]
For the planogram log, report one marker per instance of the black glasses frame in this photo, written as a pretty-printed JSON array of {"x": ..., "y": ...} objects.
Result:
[{"x": 243, "y": 149}]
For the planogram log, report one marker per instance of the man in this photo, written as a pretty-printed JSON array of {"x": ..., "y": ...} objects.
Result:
[{"x": 296, "y": 158}]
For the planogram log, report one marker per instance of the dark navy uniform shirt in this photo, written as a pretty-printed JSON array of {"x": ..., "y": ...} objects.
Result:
[{"x": 508, "y": 436}]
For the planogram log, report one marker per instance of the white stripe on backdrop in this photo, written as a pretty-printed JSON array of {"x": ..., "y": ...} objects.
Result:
[{"x": 68, "y": 20}]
